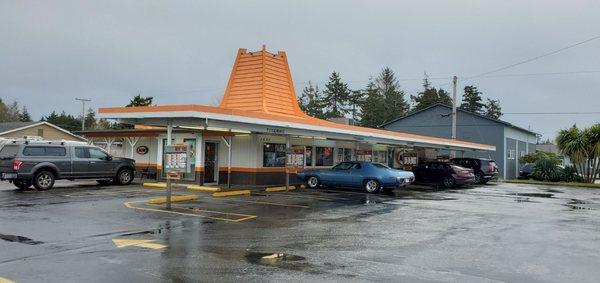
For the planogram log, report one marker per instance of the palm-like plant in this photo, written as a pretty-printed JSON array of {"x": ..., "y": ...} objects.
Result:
[{"x": 583, "y": 148}]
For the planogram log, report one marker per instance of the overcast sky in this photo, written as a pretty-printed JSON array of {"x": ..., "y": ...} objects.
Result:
[{"x": 182, "y": 51}]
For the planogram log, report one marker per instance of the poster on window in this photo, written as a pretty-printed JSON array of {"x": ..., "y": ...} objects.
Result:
[
  {"x": 364, "y": 155},
  {"x": 295, "y": 157}
]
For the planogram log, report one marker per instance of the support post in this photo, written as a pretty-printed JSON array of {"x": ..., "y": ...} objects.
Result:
[
  {"x": 228, "y": 142},
  {"x": 169, "y": 137},
  {"x": 287, "y": 173},
  {"x": 132, "y": 142}
]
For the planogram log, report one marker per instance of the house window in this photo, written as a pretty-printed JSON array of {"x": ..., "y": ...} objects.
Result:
[
  {"x": 511, "y": 154},
  {"x": 273, "y": 155},
  {"x": 40, "y": 132},
  {"x": 521, "y": 154},
  {"x": 324, "y": 156}
]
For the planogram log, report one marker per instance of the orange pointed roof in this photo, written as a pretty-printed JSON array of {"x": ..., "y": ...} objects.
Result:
[{"x": 261, "y": 82}]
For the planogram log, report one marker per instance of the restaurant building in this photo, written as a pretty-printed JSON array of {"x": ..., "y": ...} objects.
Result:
[{"x": 244, "y": 140}]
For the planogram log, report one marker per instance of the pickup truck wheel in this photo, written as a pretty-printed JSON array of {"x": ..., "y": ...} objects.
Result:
[
  {"x": 125, "y": 176},
  {"x": 372, "y": 186},
  {"x": 43, "y": 180},
  {"x": 22, "y": 184},
  {"x": 313, "y": 182}
]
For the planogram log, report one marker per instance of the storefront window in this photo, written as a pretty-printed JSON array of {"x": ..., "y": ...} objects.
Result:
[
  {"x": 273, "y": 155},
  {"x": 380, "y": 157},
  {"x": 344, "y": 154},
  {"x": 308, "y": 156},
  {"x": 324, "y": 156}
]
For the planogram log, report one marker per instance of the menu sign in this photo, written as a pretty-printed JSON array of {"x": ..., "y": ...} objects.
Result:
[
  {"x": 176, "y": 158},
  {"x": 295, "y": 157}
]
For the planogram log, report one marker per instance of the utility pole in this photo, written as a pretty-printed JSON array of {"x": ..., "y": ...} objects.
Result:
[
  {"x": 83, "y": 101},
  {"x": 454, "y": 79}
]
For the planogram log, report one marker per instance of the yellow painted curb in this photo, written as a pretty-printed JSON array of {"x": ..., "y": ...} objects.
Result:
[
  {"x": 278, "y": 189},
  {"x": 203, "y": 188},
  {"x": 303, "y": 186},
  {"x": 4, "y": 280},
  {"x": 173, "y": 199},
  {"x": 155, "y": 185},
  {"x": 232, "y": 193}
]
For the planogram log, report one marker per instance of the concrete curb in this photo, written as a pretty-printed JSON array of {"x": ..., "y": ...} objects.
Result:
[
  {"x": 203, "y": 188},
  {"x": 279, "y": 189},
  {"x": 173, "y": 199},
  {"x": 232, "y": 193},
  {"x": 155, "y": 185}
]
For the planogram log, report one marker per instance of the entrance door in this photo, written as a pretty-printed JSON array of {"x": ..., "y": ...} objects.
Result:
[{"x": 211, "y": 168}]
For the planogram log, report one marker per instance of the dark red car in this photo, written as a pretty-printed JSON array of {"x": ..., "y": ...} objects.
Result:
[
  {"x": 443, "y": 174},
  {"x": 485, "y": 170}
]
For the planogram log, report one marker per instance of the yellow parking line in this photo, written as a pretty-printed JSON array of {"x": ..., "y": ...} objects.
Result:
[
  {"x": 231, "y": 193},
  {"x": 245, "y": 216},
  {"x": 173, "y": 199},
  {"x": 302, "y": 195},
  {"x": 203, "y": 188},
  {"x": 268, "y": 203},
  {"x": 4, "y": 280}
]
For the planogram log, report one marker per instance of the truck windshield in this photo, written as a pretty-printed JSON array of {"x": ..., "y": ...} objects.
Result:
[{"x": 8, "y": 151}]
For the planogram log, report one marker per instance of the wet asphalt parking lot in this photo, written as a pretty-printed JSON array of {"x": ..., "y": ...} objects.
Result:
[{"x": 499, "y": 232}]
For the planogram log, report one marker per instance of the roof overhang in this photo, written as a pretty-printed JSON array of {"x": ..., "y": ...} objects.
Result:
[{"x": 216, "y": 118}]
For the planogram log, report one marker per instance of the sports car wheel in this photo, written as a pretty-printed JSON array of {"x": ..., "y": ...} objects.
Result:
[
  {"x": 313, "y": 182},
  {"x": 371, "y": 186}
]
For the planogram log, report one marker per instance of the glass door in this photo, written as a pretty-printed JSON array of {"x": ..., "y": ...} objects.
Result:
[
  {"x": 211, "y": 165},
  {"x": 192, "y": 146}
]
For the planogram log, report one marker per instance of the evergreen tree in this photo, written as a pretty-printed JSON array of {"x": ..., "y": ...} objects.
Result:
[
  {"x": 373, "y": 107},
  {"x": 311, "y": 102},
  {"x": 9, "y": 113},
  {"x": 388, "y": 86},
  {"x": 138, "y": 100},
  {"x": 335, "y": 96},
  {"x": 493, "y": 109},
  {"x": 471, "y": 100},
  {"x": 64, "y": 120},
  {"x": 25, "y": 117},
  {"x": 430, "y": 96},
  {"x": 90, "y": 119},
  {"x": 355, "y": 101}
]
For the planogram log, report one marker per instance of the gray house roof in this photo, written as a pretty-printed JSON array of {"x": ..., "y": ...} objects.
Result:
[
  {"x": 9, "y": 126},
  {"x": 458, "y": 110}
]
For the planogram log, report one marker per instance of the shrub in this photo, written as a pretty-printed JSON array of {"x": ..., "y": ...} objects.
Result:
[
  {"x": 570, "y": 174},
  {"x": 547, "y": 170},
  {"x": 533, "y": 157}
]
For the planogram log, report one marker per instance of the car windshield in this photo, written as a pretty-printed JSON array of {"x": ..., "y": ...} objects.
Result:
[
  {"x": 379, "y": 165},
  {"x": 9, "y": 151}
]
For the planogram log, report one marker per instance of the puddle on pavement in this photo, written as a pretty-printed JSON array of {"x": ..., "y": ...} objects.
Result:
[
  {"x": 19, "y": 239},
  {"x": 577, "y": 204},
  {"x": 535, "y": 195},
  {"x": 271, "y": 258},
  {"x": 553, "y": 191}
]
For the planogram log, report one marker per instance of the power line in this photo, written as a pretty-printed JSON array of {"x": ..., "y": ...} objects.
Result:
[
  {"x": 534, "y": 58},
  {"x": 551, "y": 113}
]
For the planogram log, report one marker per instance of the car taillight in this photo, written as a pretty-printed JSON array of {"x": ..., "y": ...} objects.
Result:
[
  {"x": 489, "y": 168},
  {"x": 464, "y": 173},
  {"x": 17, "y": 164}
]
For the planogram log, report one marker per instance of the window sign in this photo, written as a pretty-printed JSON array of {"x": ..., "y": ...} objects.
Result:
[
  {"x": 324, "y": 156},
  {"x": 309, "y": 156},
  {"x": 295, "y": 157},
  {"x": 364, "y": 155}
]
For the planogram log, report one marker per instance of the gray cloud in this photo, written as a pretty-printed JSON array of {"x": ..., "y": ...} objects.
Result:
[{"x": 182, "y": 51}]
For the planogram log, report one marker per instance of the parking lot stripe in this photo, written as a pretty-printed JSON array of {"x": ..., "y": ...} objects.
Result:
[
  {"x": 303, "y": 195},
  {"x": 243, "y": 216},
  {"x": 267, "y": 203}
]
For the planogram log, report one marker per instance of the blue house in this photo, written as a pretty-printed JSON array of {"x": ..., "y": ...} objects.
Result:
[{"x": 511, "y": 141}]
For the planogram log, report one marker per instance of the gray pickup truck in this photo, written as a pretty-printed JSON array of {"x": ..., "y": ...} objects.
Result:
[{"x": 40, "y": 163}]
